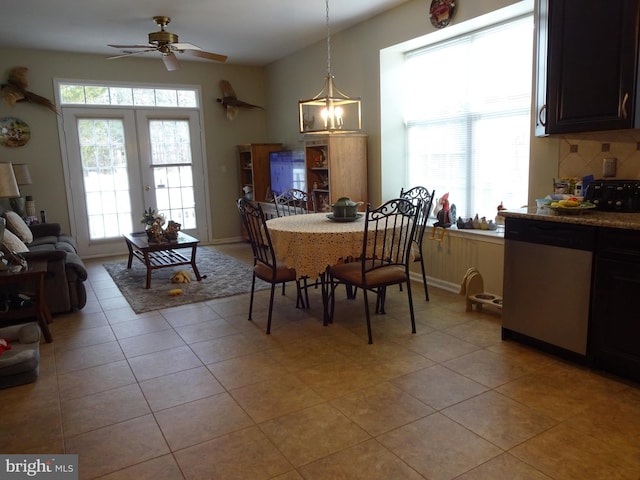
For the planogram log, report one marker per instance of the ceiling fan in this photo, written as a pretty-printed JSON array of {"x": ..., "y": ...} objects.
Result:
[{"x": 167, "y": 44}]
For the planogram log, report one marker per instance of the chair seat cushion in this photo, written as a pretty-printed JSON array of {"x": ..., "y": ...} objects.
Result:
[
  {"x": 45, "y": 247},
  {"x": 46, "y": 240},
  {"x": 282, "y": 273},
  {"x": 352, "y": 273}
]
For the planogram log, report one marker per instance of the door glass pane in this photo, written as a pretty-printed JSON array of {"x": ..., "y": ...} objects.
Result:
[
  {"x": 105, "y": 177},
  {"x": 172, "y": 170}
]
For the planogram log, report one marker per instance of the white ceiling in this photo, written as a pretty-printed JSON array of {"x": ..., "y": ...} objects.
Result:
[{"x": 249, "y": 32}]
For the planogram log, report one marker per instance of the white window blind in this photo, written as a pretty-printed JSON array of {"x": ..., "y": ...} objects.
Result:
[{"x": 467, "y": 113}]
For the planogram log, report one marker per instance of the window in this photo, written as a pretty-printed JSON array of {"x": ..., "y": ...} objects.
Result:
[
  {"x": 80, "y": 94},
  {"x": 467, "y": 117},
  {"x": 131, "y": 147}
]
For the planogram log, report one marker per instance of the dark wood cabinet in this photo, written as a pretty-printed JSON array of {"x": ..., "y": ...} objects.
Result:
[
  {"x": 254, "y": 172},
  {"x": 614, "y": 336},
  {"x": 587, "y": 62}
]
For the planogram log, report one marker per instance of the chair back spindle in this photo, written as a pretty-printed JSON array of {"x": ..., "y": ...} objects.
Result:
[{"x": 292, "y": 202}]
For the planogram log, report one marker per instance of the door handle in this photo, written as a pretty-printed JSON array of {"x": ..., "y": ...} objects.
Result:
[
  {"x": 624, "y": 105},
  {"x": 542, "y": 117},
  {"x": 147, "y": 188}
]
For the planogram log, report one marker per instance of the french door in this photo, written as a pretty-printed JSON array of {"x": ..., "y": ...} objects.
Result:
[{"x": 123, "y": 161}]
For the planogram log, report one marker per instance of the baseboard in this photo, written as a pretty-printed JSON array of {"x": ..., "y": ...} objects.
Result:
[{"x": 436, "y": 282}]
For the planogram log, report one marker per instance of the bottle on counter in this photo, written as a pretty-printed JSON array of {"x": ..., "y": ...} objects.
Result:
[{"x": 577, "y": 189}]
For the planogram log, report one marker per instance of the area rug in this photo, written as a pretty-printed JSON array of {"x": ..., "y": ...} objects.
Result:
[{"x": 223, "y": 276}]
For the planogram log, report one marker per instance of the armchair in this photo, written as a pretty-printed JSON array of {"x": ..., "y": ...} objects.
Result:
[{"x": 64, "y": 289}]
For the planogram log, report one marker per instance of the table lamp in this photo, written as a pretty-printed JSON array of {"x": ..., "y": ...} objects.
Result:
[
  {"x": 8, "y": 189},
  {"x": 8, "y": 183},
  {"x": 19, "y": 203}
]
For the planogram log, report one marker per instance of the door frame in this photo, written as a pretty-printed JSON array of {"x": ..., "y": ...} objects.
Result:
[
  {"x": 205, "y": 232},
  {"x": 142, "y": 117}
]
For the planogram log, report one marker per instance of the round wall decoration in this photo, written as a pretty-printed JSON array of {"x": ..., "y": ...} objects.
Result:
[
  {"x": 14, "y": 132},
  {"x": 441, "y": 12}
]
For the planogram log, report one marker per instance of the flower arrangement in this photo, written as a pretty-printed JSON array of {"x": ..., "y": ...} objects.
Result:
[{"x": 151, "y": 216}]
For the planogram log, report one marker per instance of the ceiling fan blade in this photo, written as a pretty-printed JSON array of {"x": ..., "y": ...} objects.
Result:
[
  {"x": 127, "y": 54},
  {"x": 209, "y": 56},
  {"x": 132, "y": 46},
  {"x": 170, "y": 61},
  {"x": 184, "y": 46}
]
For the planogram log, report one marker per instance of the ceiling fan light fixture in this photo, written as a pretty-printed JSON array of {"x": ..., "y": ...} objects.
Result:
[
  {"x": 330, "y": 110},
  {"x": 166, "y": 43},
  {"x": 163, "y": 37}
]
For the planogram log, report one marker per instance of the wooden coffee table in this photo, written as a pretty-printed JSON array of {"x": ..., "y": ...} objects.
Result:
[{"x": 162, "y": 255}]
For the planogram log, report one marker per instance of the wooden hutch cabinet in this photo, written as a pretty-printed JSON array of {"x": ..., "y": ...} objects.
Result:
[
  {"x": 253, "y": 164},
  {"x": 336, "y": 167}
]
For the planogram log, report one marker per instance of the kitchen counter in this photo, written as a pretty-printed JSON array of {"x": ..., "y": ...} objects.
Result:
[
  {"x": 595, "y": 257},
  {"x": 596, "y": 218}
]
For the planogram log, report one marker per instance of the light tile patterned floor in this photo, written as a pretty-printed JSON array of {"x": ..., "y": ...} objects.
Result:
[{"x": 199, "y": 392}]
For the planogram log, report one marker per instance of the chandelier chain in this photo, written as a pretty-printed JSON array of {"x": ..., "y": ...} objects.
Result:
[{"x": 328, "y": 40}]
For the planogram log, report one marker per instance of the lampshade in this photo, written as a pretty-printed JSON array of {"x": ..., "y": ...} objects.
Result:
[
  {"x": 8, "y": 184},
  {"x": 330, "y": 110},
  {"x": 21, "y": 171}
]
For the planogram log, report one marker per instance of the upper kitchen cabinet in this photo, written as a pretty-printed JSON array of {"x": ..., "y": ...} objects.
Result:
[{"x": 587, "y": 62}]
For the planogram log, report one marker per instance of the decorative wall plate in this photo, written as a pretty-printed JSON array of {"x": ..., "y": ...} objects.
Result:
[
  {"x": 14, "y": 132},
  {"x": 441, "y": 12}
]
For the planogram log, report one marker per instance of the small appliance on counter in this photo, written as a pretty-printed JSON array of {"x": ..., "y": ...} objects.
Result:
[{"x": 614, "y": 195}]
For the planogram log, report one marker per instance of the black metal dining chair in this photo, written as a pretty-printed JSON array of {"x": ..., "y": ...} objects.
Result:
[
  {"x": 426, "y": 198},
  {"x": 265, "y": 265},
  {"x": 384, "y": 261},
  {"x": 293, "y": 202}
]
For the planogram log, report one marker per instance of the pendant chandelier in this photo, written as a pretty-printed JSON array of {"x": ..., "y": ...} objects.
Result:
[{"x": 330, "y": 110}]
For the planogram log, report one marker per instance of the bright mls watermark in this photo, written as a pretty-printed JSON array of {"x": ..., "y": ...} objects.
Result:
[{"x": 51, "y": 467}]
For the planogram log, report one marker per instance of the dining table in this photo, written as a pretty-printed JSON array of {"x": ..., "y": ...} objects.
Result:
[{"x": 312, "y": 242}]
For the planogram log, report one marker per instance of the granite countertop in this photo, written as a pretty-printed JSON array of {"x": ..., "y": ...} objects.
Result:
[{"x": 596, "y": 218}]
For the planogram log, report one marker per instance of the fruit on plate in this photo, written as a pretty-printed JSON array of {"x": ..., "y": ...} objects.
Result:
[{"x": 567, "y": 203}]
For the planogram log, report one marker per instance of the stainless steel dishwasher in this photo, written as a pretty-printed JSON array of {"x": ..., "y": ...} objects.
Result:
[{"x": 547, "y": 284}]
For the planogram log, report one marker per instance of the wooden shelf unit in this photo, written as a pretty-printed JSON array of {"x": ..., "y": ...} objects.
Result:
[
  {"x": 253, "y": 165},
  {"x": 336, "y": 167}
]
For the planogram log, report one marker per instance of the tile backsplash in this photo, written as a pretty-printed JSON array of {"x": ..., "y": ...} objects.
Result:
[{"x": 583, "y": 154}]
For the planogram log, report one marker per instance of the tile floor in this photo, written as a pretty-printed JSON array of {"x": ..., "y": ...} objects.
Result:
[{"x": 198, "y": 392}]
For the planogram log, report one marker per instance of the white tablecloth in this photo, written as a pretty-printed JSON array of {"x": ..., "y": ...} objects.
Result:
[{"x": 309, "y": 243}]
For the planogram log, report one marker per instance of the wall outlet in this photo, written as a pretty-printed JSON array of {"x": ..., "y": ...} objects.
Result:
[{"x": 609, "y": 167}]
